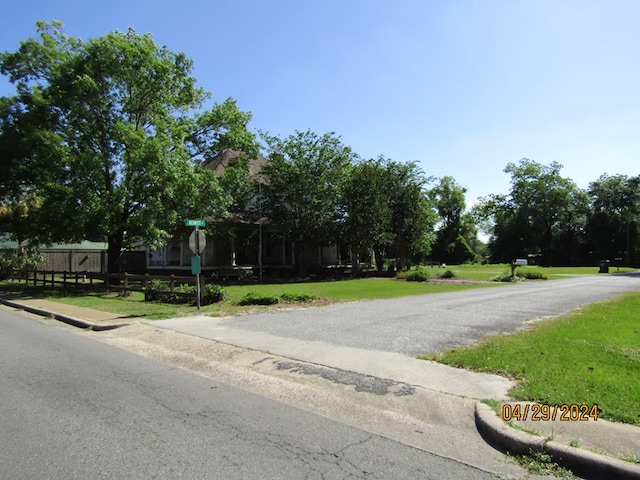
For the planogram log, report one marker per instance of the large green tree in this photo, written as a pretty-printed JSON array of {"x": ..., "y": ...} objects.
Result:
[
  {"x": 386, "y": 211},
  {"x": 366, "y": 208},
  {"x": 412, "y": 218},
  {"x": 109, "y": 134},
  {"x": 304, "y": 179},
  {"x": 613, "y": 224},
  {"x": 540, "y": 209},
  {"x": 456, "y": 233}
]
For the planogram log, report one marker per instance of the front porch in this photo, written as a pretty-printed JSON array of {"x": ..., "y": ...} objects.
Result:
[{"x": 240, "y": 254}]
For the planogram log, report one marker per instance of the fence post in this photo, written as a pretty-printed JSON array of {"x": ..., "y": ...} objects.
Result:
[
  {"x": 172, "y": 283},
  {"x": 146, "y": 280},
  {"x": 106, "y": 282},
  {"x": 64, "y": 280}
]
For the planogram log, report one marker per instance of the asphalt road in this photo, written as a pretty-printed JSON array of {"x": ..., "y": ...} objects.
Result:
[
  {"x": 433, "y": 323},
  {"x": 74, "y": 408}
]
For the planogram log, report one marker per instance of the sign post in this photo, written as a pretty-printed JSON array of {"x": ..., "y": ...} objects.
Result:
[{"x": 197, "y": 242}]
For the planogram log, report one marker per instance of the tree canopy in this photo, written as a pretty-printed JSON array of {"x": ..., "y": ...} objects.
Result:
[
  {"x": 456, "y": 234},
  {"x": 367, "y": 210},
  {"x": 385, "y": 210},
  {"x": 105, "y": 138},
  {"x": 613, "y": 223},
  {"x": 525, "y": 221},
  {"x": 304, "y": 181}
]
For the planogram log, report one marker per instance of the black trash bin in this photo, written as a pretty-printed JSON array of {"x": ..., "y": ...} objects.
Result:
[{"x": 604, "y": 266}]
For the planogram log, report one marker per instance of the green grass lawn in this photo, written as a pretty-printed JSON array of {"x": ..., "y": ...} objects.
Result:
[
  {"x": 324, "y": 292},
  {"x": 349, "y": 290},
  {"x": 486, "y": 272},
  {"x": 591, "y": 356}
]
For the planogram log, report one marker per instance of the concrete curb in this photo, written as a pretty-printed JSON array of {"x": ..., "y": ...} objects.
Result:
[
  {"x": 76, "y": 322},
  {"x": 582, "y": 462},
  {"x": 498, "y": 433}
]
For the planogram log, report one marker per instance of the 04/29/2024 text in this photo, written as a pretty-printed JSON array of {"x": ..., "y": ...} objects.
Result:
[{"x": 541, "y": 412}]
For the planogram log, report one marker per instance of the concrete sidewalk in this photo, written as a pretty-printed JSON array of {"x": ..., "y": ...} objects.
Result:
[
  {"x": 570, "y": 443},
  {"x": 77, "y": 316}
]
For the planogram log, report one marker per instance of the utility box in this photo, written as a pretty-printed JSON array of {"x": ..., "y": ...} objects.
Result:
[{"x": 604, "y": 266}]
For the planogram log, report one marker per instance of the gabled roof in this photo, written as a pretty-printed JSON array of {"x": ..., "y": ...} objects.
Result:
[
  {"x": 228, "y": 157},
  {"x": 7, "y": 244}
]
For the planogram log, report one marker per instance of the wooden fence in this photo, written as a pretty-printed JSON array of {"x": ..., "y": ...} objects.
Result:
[
  {"x": 106, "y": 282},
  {"x": 87, "y": 260}
]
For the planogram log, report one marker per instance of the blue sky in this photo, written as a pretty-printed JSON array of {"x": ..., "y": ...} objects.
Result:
[{"x": 460, "y": 86}]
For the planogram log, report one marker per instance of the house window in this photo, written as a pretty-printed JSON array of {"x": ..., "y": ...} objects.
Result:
[
  {"x": 173, "y": 252},
  {"x": 156, "y": 257}
]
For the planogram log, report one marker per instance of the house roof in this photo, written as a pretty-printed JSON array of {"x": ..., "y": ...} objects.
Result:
[
  {"x": 7, "y": 244},
  {"x": 219, "y": 163}
]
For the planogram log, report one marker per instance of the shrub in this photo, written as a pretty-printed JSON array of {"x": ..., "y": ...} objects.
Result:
[
  {"x": 159, "y": 285},
  {"x": 417, "y": 275},
  {"x": 401, "y": 275},
  {"x": 213, "y": 293},
  {"x": 448, "y": 274},
  {"x": 297, "y": 297},
  {"x": 155, "y": 291},
  {"x": 532, "y": 274},
  {"x": 12, "y": 261},
  {"x": 253, "y": 298},
  {"x": 159, "y": 291},
  {"x": 506, "y": 277}
]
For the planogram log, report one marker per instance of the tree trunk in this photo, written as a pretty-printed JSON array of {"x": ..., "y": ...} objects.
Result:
[
  {"x": 355, "y": 264},
  {"x": 113, "y": 252},
  {"x": 379, "y": 253}
]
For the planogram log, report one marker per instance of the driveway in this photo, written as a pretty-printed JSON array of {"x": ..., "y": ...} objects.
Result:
[{"x": 435, "y": 322}]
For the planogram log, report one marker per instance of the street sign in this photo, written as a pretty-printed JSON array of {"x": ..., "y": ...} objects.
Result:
[
  {"x": 197, "y": 241},
  {"x": 195, "y": 223}
]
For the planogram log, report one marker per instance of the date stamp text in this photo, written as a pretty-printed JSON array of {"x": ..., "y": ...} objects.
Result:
[{"x": 540, "y": 412}]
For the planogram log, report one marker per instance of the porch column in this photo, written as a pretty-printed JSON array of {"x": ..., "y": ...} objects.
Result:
[{"x": 233, "y": 252}]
